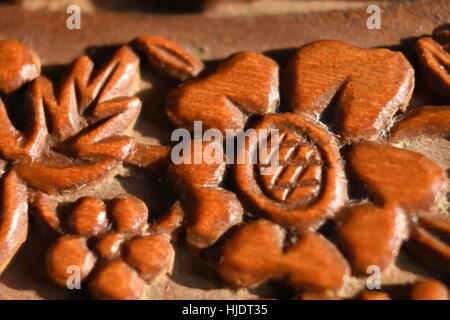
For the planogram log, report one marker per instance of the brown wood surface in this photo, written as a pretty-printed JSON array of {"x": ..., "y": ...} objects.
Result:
[{"x": 211, "y": 38}]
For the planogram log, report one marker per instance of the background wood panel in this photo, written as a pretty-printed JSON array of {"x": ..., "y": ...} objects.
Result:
[{"x": 221, "y": 8}]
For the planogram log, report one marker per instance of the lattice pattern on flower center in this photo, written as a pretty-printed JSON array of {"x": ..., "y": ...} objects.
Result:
[{"x": 297, "y": 178}]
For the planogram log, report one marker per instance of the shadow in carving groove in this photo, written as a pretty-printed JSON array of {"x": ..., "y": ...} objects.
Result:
[
  {"x": 448, "y": 194},
  {"x": 157, "y": 6},
  {"x": 444, "y": 27},
  {"x": 156, "y": 194},
  {"x": 101, "y": 54},
  {"x": 54, "y": 72},
  {"x": 192, "y": 270},
  {"x": 197, "y": 268},
  {"x": 153, "y": 121},
  {"x": 281, "y": 56},
  {"x": 274, "y": 290}
]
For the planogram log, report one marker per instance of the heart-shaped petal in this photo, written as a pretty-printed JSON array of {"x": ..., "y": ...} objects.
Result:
[
  {"x": 255, "y": 254},
  {"x": 397, "y": 176},
  {"x": 365, "y": 86}
]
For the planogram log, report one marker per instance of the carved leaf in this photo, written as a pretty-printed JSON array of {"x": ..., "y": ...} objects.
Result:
[
  {"x": 255, "y": 254},
  {"x": 15, "y": 145},
  {"x": 89, "y": 108},
  {"x": 53, "y": 179},
  {"x": 397, "y": 176}
]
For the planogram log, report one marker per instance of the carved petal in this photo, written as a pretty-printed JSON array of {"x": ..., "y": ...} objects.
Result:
[
  {"x": 151, "y": 255},
  {"x": 430, "y": 120},
  {"x": 112, "y": 81},
  {"x": 18, "y": 65},
  {"x": 9, "y": 137},
  {"x": 435, "y": 63},
  {"x": 13, "y": 217},
  {"x": 44, "y": 210},
  {"x": 129, "y": 214},
  {"x": 314, "y": 263},
  {"x": 15, "y": 145},
  {"x": 427, "y": 242},
  {"x": 115, "y": 147},
  {"x": 398, "y": 176},
  {"x": 214, "y": 212},
  {"x": 373, "y": 295},
  {"x": 102, "y": 141},
  {"x": 88, "y": 217},
  {"x": 359, "y": 225},
  {"x": 154, "y": 159},
  {"x": 55, "y": 179},
  {"x": 64, "y": 116},
  {"x": 429, "y": 289},
  {"x": 115, "y": 280},
  {"x": 68, "y": 252},
  {"x": 244, "y": 84}
]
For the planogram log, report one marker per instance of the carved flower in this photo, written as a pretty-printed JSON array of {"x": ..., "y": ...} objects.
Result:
[
  {"x": 338, "y": 99},
  {"x": 69, "y": 135},
  {"x": 65, "y": 136},
  {"x": 111, "y": 247}
]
